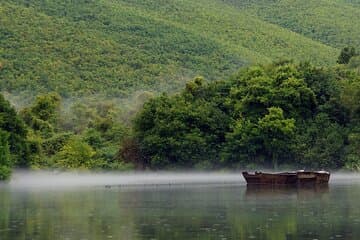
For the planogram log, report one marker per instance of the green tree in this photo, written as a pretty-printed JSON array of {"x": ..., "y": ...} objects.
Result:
[
  {"x": 15, "y": 127},
  {"x": 244, "y": 144},
  {"x": 352, "y": 150},
  {"x": 346, "y": 54},
  {"x": 277, "y": 133},
  {"x": 319, "y": 143},
  {"x": 5, "y": 160},
  {"x": 182, "y": 131},
  {"x": 43, "y": 115},
  {"x": 76, "y": 154}
]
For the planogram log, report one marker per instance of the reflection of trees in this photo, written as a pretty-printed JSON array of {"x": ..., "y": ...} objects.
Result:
[
  {"x": 305, "y": 213},
  {"x": 181, "y": 213},
  {"x": 61, "y": 215},
  {"x": 189, "y": 213}
]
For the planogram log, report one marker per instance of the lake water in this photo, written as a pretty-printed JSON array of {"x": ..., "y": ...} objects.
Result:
[{"x": 156, "y": 207}]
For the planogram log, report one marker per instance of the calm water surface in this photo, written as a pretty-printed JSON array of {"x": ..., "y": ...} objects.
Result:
[{"x": 217, "y": 211}]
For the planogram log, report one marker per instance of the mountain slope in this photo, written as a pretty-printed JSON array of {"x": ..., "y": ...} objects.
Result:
[
  {"x": 332, "y": 22},
  {"x": 116, "y": 47}
]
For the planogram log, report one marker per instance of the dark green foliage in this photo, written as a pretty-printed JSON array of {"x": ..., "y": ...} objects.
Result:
[
  {"x": 346, "y": 54},
  {"x": 42, "y": 115},
  {"x": 319, "y": 143},
  {"x": 5, "y": 160},
  {"x": 51, "y": 146},
  {"x": 276, "y": 132},
  {"x": 278, "y": 114},
  {"x": 16, "y": 129},
  {"x": 352, "y": 150},
  {"x": 180, "y": 131}
]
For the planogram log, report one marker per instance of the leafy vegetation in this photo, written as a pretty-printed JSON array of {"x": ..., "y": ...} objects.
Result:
[
  {"x": 331, "y": 22},
  {"x": 117, "y": 47},
  {"x": 92, "y": 64},
  {"x": 14, "y": 148},
  {"x": 280, "y": 114},
  {"x": 269, "y": 115}
]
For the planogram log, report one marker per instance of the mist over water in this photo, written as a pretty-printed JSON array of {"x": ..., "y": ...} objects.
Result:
[
  {"x": 45, "y": 179},
  {"x": 48, "y": 179}
]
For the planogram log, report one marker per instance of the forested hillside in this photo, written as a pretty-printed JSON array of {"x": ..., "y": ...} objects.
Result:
[
  {"x": 334, "y": 23},
  {"x": 116, "y": 47},
  {"x": 88, "y": 66}
]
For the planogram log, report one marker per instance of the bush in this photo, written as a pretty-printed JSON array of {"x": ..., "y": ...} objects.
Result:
[
  {"x": 5, "y": 161},
  {"x": 5, "y": 173}
]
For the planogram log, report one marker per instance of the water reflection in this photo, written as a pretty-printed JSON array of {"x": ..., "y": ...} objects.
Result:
[
  {"x": 301, "y": 192},
  {"x": 203, "y": 212}
]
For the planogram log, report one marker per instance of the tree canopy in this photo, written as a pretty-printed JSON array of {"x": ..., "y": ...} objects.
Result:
[{"x": 269, "y": 115}]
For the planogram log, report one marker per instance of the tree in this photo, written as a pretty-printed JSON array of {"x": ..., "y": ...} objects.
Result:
[
  {"x": 17, "y": 133},
  {"x": 46, "y": 107},
  {"x": 320, "y": 142},
  {"x": 42, "y": 116},
  {"x": 180, "y": 131},
  {"x": 76, "y": 154},
  {"x": 244, "y": 144},
  {"x": 5, "y": 160},
  {"x": 352, "y": 151},
  {"x": 346, "y": 54},
  {"x": 277, "y": 133}
]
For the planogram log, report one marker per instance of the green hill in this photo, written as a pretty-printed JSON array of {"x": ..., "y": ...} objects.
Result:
[
  {"x": 332, "y": 22},
  {"x": 115, "y": 47}
]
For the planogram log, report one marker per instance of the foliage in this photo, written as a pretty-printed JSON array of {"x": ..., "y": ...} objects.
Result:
[
  {"x": 77, "y": 48},
  {"x": 278, "y": 114},
  {"x": 276, "y": 132},
  {"x": 14, "y": 126},
  {"x": 346, "y": 54},
  {"x": 94, "y": 126},
  {"x": 5, "y": 161},
  {"x": 180, "y": 131},
  {"x": 76, "y": 55},
  {"x": 42, "y": 115},
  {"x": 320, "y": 143},
  {"x": 75, "y": 154},
  {"x": 329, "y": 22},
  {"x": 352, "y": 159}
]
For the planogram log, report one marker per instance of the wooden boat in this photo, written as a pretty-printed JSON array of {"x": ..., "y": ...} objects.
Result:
[{"x": 300, "y": 177}]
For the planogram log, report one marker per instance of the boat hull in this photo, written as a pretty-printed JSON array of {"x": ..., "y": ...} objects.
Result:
[{"x": 287, "y": 178}]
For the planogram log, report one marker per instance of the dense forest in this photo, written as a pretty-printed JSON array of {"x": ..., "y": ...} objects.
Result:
[
  {"x": 81, "y": 84},
  {"x": 277, "y": 115}
]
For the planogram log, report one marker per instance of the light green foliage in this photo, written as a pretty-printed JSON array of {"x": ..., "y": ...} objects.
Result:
[
  {"x": 46, "y": 107},
  {"x": 332, "y": 22},
  {"x": 117, "y": 47},
  {"x": 75, "y": 154},
  {"x": 354, "y": 63}
]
